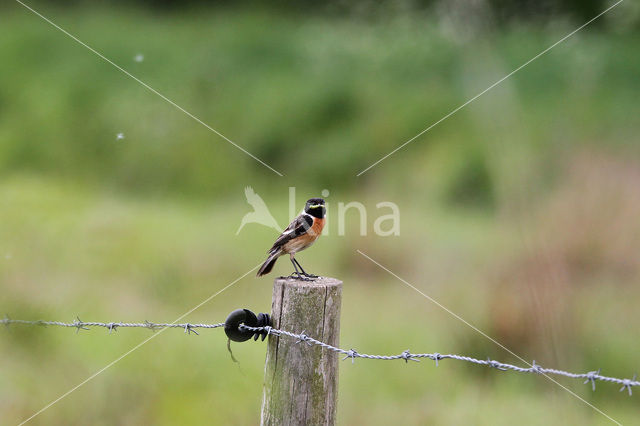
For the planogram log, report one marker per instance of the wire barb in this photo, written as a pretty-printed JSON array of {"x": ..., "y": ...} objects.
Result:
[
  {"x": 535, "y": 368},
  {"x": 151, "y": 326},
  {"x": 496, "y": 364},
  {"x": 188, "y": 328},
  {"x": 591, "y": 377},
  {"x": 79, "y": 325},
  {"x": 626, "y": 384},
  {"x": 303, "y": 338},
  {"x": 406, "y": 355},
  {"x": 436, "y": 357},
  {"x": 351, "y": 353}
]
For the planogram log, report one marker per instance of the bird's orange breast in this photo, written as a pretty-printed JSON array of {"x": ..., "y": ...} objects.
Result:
[{"x": 316, "y": 228}]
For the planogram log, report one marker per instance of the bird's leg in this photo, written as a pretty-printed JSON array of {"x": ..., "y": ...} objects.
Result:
[
  {"x": 300, "y": 276},
  {"x": 303, "y": 271}
]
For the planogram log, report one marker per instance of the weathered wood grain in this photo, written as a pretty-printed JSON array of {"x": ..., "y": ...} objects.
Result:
[{"x": 301, "y": 381}]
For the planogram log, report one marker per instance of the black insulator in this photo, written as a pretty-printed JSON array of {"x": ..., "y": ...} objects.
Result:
[{"x": 244, "y": 316}]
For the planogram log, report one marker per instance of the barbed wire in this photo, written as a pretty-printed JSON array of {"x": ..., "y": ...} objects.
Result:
[
  {"x": 590, "y": 377},
  {"x": 111, "y": 326}
]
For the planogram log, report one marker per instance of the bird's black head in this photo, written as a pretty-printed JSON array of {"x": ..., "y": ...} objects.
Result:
[{"x": 315, "y": 207}]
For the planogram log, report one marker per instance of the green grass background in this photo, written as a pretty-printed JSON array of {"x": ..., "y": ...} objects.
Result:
[{"x": 519, "y": 213}]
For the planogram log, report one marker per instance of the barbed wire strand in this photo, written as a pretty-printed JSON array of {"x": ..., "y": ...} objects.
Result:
[
  {"x": 590, "y": 377},
  {"x": 111, "y": 326}
]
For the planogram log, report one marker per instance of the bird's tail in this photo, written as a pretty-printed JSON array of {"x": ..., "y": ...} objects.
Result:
[{"x": 268, "y": 264}]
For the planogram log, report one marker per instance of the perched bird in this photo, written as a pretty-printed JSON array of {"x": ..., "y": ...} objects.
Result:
[
  {"x": 300, "y": 234},
  {"x": 260, "y": 213}
]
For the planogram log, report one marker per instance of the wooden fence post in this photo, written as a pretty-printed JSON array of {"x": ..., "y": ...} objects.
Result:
[{"x": 301, "y": 381}]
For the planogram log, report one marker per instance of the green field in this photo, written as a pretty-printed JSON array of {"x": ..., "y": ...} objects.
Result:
[{"x": 519, "y": 213}]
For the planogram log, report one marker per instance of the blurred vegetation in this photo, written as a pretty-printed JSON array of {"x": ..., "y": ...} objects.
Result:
[
  {"x": 501, "y": 11},
  {"x": 303, "y": 99},
  {"x": 519, "y": 212}
]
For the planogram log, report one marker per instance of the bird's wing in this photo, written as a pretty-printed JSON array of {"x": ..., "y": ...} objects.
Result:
[
  {"x": 299, "y": 226},
  {"x": 254, "y": 199}
]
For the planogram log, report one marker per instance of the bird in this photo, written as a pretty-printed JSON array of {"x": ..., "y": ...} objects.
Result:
[
  {"x": 301, "y": 233},
  {"x": 260, "y": 213}
]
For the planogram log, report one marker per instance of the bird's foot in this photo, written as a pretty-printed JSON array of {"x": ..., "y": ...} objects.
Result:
[
  {"x": 300, "y": 277},
  {"x": 312, "y": 276}
]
